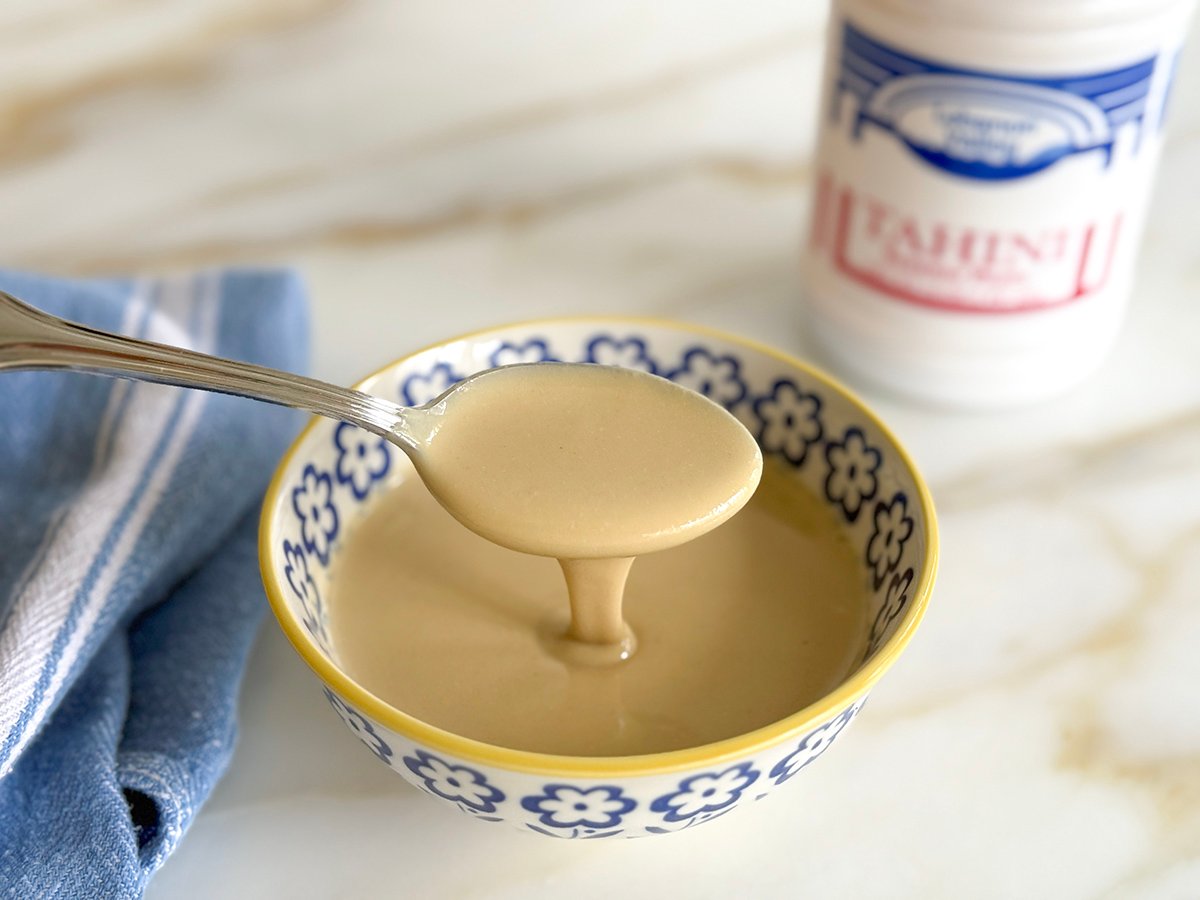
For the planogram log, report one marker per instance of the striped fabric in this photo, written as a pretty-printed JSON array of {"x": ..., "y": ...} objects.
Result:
[
  {"x": 58, "y": 605},
  {"x": 115, "y": 498}
]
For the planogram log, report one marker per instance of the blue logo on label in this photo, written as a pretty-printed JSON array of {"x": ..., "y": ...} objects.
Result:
[{"x": 985, "y": 125}]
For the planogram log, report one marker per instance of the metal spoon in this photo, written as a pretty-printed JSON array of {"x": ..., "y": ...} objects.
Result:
[
  {"x": 682, "y": 463},
  {"x": 32, "y": 339}
]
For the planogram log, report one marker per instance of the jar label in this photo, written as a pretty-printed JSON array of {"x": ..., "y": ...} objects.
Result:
[
  {"x": 984, "y": 125},
  {"x": 937, "y": 262},
  {"x": 974, "y": 191}
]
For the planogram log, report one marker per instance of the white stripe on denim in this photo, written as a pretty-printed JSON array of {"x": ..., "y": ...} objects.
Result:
[
  {"x": 178, "y": 298},
  {"x": 104, "y": 435},
  {"x": 149, "y": 412},
  {"x": 20, "y": 647},
  {"x": 135, "y": 312}
]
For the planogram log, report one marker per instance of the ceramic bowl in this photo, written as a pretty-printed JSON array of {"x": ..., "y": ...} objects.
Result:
[{"x": 831, "y": 442}]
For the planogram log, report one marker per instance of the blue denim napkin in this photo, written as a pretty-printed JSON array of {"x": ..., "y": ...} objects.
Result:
[{"x": 129, "y": 588}]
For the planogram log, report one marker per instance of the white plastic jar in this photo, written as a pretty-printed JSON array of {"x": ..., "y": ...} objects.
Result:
[{"x": 982, "y": 175}]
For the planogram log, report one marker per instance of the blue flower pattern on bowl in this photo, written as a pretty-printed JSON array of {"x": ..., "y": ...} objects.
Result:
[
  {"x": 853, "y": 472},
  {"x": 532, "y": 351},
  {"x": 787, "y": 420},
  {"x": 312, "y": 502},
  {"x": 300, "y": 580},
  {"x": 814, "y": 744},
  {"x": 628, "y": 353},
  {"x": 418, "y": 389},
  {"x": 893, "y": 528},
  {"x": 705, "y": 794},
  {"x": 457, "y": 783},
  {"x": 361, "y": 726},
  {"x": 363, "y": 458},
  {"x": 894, "y": 602},
  {"x": 716, "y": 377},
  {"x": 701, "y": 819},
  {"x": 582, "y": 812}
]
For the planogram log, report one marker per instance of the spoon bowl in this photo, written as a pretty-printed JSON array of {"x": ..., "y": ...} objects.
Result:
[{"x": 580, "y": 461}]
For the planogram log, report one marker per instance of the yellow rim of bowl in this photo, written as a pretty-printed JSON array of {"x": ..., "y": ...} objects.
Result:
[{"x": 742, "y": 745}]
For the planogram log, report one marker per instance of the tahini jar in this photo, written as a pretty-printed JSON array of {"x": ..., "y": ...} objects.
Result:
[{"x": 982, "y": 175}]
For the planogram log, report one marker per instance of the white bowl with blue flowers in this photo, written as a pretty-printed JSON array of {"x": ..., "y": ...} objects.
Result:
[{"x": 831, "y": 441}]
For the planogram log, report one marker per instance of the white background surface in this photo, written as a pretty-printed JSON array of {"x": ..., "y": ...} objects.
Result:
[{"x": 438, "y": 166}]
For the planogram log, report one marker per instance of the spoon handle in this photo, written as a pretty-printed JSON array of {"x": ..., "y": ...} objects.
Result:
[{"x": 32, "y": 339}]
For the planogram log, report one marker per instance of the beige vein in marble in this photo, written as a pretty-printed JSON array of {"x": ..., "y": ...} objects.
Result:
[
  {"x": 1091, "y": 742},
  {"x": 541, "y": 114},
  {"x": 1059, "y": 471},
  {"x": 749, "y": 174},
  {"x": 1105, "y": 657},
  {"x": 48, "y": 112},
  {"x": 35, "y": 124}
]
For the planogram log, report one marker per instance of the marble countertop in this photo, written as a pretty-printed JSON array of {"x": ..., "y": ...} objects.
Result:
[{"x": 437, "y": 166}]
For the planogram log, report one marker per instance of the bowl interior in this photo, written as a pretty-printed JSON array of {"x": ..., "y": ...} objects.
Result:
[{"x": 826, "y": 438}]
